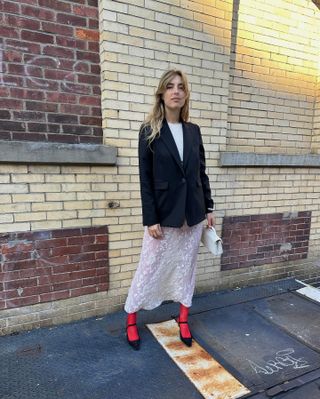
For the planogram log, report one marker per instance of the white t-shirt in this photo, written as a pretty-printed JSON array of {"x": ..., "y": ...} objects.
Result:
[{"x": 177, "y": 133}]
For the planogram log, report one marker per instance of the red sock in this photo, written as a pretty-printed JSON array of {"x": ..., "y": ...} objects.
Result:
[
  {"x": 132, "y": 331},
  {"x": 184, "y": 328}
]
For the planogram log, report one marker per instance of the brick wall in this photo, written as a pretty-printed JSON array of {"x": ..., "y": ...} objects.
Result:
[
  {"x": 34, "y": 197},
  {"x": 47, "y": 197},
  {"x": 50, "y": 71},
  {"x": 47, "y": 265},
  {"x": 263, "y": 239},
  {"x": 139, "y": 40},
  {"x": 258, "y": 191},
  {"x": 316, "y": 119},
  {"x": 143, "y": 38},
  {"x": 274, "y": 69}
]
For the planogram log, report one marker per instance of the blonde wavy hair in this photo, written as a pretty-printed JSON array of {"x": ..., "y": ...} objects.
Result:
[{"x": 157, "y": 114}]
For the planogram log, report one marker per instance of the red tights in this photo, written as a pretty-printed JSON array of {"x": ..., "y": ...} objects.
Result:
[
  {"x": 132, "y": 331},
  {"x": 183, "y": 316},
  {"x": 133, "y": 334}
]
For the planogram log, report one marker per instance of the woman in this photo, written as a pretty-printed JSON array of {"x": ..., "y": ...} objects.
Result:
[{"x": 176, "y": 198}]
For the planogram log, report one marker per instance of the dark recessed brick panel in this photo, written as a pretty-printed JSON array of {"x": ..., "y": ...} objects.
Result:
[
  {"x": 48, "y": 265},
  {"x": 263, "y": 239},
  {"x": 50, "y": 61}
]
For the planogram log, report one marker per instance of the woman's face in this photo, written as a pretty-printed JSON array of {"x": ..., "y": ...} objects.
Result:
[{"x": 174, "y": 96}]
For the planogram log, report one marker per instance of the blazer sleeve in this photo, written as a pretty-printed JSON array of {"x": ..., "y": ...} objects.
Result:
[
  {"x": 149, "y": 213},
  {"x": 204, "y": 178}
]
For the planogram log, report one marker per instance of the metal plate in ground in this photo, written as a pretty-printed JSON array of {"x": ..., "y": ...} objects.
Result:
[
  {"x": 308, "y": 391},
  {"x": 210, "y": 378},
  {"x": 255, "y": 351},
  {"x": 296, "y": 315},
  {"x": 310, "y": 292}
]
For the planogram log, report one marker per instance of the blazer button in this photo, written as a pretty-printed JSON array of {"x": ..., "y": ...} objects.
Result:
[{"x": 183, "y": 180}]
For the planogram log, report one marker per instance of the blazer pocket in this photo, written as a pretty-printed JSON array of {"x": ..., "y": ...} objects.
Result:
[{"x": 161, "y": 185}]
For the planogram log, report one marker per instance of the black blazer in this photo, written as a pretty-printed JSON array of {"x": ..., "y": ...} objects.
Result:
[{"x": 172, "y": 191}]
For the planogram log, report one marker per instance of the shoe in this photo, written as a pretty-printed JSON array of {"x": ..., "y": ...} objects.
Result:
[
  {"x": 136, "y": 343},
  {"x": 186, "y": 340}
]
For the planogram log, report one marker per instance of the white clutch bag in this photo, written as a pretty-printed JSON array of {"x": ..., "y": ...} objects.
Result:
[{"x": 211, "y": 240}]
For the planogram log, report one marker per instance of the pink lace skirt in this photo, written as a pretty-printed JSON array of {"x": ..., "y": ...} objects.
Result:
[{"x": 166, "y": 270}]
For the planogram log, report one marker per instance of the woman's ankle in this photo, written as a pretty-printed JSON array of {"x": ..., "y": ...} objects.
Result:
[
  {"x": 184, "y": 313},
  {"x": 131, "y": 318},
  {"x": 183, "y": 321},
  {"x": 132, "y": 330}
]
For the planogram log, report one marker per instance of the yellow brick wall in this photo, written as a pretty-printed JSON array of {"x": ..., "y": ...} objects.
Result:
[
  {"x": 139, "y": 42},
  {"x": 274, "y": 69},
  {"x": 40, "y": 197},
  {"x": 316, "y": 118}
]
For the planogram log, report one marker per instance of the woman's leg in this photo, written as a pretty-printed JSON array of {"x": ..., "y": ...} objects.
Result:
[
  {"x": 185, "y": 333},
  {"x": 132, "y": 331}
]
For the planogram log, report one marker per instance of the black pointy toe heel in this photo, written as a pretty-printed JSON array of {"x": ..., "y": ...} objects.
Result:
[
  {"x": 186, "y": 341},
  {"x": 134, "y": 344}
]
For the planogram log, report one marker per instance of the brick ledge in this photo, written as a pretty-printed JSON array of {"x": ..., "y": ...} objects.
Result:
[
  {"x": 56, "y": 153},
  {"x": 251, "y": 159}
]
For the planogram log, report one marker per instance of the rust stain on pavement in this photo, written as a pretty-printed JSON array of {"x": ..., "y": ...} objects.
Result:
[{"x": 211, "y": 379}]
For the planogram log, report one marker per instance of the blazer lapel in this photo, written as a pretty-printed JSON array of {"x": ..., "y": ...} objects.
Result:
[
  {"x": 187, "y": 142},
  {"x": 168, "y": 139}
]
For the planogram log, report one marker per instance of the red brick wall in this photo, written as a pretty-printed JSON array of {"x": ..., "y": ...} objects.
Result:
[
  {"x": 42, "y": 266},
  {"x": 261, "y": 239},
  {"x": 50, "y": 71}
]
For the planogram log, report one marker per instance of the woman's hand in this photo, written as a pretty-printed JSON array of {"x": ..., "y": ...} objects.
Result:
[
  {"x": 155, "y": 231},
  {"x": 211, "y": 220}
]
